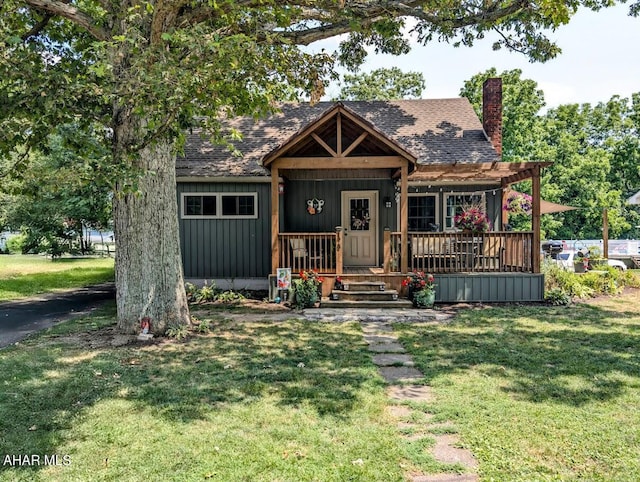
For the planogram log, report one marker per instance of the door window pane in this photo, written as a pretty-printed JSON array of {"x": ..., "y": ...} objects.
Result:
[{"x": 359, "y": 214}]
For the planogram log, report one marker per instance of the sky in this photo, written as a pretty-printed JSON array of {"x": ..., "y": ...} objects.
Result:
[{"x": 600, "y": 58}]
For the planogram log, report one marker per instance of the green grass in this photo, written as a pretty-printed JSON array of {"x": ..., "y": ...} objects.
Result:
[
  {"x": 254, "y": 401},
  {"x": 536, "y": 393},
  {"x": 27, "y": 275},
  {"x": 540, "y": 393}
]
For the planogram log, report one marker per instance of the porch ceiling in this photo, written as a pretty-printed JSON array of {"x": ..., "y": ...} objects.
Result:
[{"x": 503, "y": 173}]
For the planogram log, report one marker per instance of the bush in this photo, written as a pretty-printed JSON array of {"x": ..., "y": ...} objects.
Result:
[
  {"x": 178, "y": 332},
  {"x": 306, "y": 289},
  {"x": 207, "y": 293},
  {"x": 557, "y": 297},
  {"x": 191, "y": 291},
  {"x": 16, "y": 243},
  {"x": 230, "y": 297},
  {"x": 608, "y": 281}
]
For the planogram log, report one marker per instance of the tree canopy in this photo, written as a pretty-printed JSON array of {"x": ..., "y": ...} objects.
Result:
[
  {"x": 382, "y": 84},
  {"x": 594, "y": 150}
]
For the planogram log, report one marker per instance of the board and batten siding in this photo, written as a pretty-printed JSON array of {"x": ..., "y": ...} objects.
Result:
[
  {"x": 489, "y": 287},
  {"x": 226, "y": 248}
]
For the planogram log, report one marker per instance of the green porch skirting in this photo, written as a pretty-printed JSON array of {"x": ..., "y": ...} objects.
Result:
[{"x": 489, "y": 287}]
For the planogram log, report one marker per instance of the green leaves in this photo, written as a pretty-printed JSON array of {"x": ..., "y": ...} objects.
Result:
[{"x": 382, "y": 84}]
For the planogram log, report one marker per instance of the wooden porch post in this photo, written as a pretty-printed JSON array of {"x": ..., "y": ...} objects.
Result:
[
  {"x": 535, "y": 218},
  {"x": 339, "y": 251},
  {"x": 605, "y": 233},
  {"x": 387, "y": 250},
  {"x": 275, "y": 220},
  {"x": 404, "y": 214},
  {"x": 505, "y": 213}
]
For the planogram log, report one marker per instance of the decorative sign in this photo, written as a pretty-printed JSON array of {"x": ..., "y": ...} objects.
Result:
[
  {"x": 314, "y": 206},
  {"x": 284, "y": 278}
]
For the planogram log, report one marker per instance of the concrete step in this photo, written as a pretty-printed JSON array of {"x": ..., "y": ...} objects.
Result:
[
  {"x": 400, "y": 303},
  {"x": 388, "y": 295},
  {"x": 363, "y": 285}
]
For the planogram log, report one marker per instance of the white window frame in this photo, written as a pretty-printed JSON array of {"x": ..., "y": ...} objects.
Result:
[
  {"x": 445, "y": 205},
  {"x": 423, "y": 194},
  {"x": 218, "y": 196}
]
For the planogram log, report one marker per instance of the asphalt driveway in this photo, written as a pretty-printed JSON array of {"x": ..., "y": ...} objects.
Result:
[{"x": 21, "y": 318}]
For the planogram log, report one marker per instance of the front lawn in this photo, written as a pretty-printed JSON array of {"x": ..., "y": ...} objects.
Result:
[
  {"x": 540, "y": 393},
  {"x": 254, "y": 401},
  {"x": 22, "y": 276},
  {"x": 536, "y": 393}
]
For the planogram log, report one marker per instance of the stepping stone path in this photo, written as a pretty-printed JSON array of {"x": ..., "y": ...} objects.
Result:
[{"x": 404, "y": 380}]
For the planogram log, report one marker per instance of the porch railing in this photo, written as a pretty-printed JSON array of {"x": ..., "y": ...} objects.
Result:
[
  {"x": 497, "y": 251},
  {"x": 304, "y": 251}
]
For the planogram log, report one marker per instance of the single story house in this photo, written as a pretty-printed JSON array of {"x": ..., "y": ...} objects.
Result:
[{"x": 360, "y": 189}]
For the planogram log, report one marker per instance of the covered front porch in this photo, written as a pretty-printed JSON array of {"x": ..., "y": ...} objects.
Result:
[{"x": 347, "y": 201}]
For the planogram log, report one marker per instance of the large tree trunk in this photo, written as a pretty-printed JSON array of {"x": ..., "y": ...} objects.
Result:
[{"x": 149, "y": 280}]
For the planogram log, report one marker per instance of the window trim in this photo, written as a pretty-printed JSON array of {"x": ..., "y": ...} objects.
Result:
[
  {"x": 459, "y": 193},
  {"x": 423, "y": 194},
  {"x": 218, "y": 196}
]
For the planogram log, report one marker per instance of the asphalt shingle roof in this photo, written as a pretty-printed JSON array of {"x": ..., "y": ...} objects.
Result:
[{"x": 435, "y": 131}]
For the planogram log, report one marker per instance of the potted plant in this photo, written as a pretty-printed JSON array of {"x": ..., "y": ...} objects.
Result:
[
  {"x": 472, "y": 220},
  {"x": 307, "y": 289},
  {"x": 421, "y": 288}
]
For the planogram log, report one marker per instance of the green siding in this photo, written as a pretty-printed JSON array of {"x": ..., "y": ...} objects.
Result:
[
  {"x": 489, "y": 287},
  {"x": 227, "y": 248}
]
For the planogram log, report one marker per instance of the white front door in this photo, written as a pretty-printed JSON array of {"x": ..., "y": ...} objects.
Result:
[{"x": 360, "y": 223}]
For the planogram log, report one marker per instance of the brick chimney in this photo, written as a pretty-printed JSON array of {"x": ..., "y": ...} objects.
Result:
[{"x": 492, "y": 111}]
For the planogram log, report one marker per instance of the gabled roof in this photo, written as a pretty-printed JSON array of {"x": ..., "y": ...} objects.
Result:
[
  {"x": 329, "y": 118},
  {"x": 433, "y": 131}
]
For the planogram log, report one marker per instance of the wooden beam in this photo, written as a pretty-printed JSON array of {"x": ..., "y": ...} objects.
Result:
[
  {"x": 324, "y": 144},
  {"x": 505, "y": 214},
  {"x": 355, "y": 144},
  {"x": 380, "y": 136},
  {"x": 605, "y": 233},
  {"x": 339, "y": 135},
  {"x": 387, "y": 250},
  {"x": 339, "y": 249},
  {"x": 535, "y": 218},
  {"x": 404, "y": 215},
  {"x": 275, "y": 221},
  {"x": 358, "y": 162}
]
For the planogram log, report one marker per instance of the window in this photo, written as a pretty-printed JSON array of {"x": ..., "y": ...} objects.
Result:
[
  {"x": 236, "y": 205},
  {"x": 456, "y": 203},
  {"x": 422, "y": 212},
  {"x": 219, "y": 205}
]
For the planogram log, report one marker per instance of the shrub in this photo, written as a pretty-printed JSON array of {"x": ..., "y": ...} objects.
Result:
[
  {"x": 16, "y": 243},
  {"x": 306, "y": 289},
  {"x": 178, "y": 332},
  {"x": 557, "y": 297},
  {"x": 230, "y": 297},
  {"x": 206, "y": 293},
  {"x": 607, "y": 281},
  {"x": 191, "y": 291},
  {"x": 201, "y": 326}
]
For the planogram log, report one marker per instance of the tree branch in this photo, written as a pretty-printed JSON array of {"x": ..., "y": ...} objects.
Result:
[
  {"x": 72, "y": 13},
  {"x": 37, "y": 28},
  {"x": 338, "y": 19}
]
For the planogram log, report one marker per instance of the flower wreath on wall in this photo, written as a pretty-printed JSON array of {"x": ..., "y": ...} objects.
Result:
[{"x": 314, "y": 206}]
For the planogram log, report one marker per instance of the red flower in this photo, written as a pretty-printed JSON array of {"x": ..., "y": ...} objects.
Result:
[
  {"x": 430, "y": 278},
  {"x": 405, "y": 282}
]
